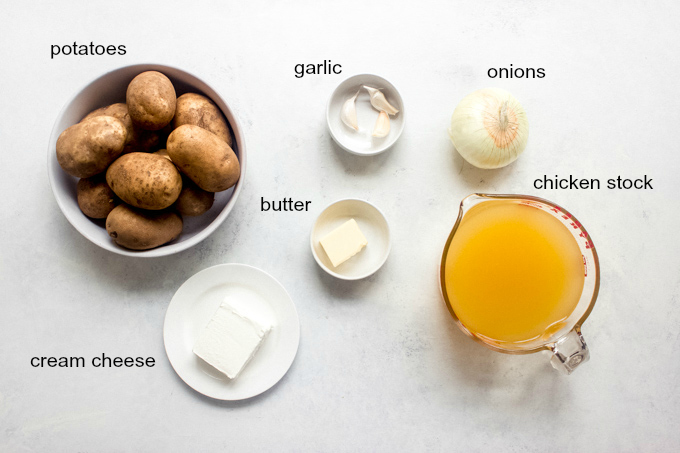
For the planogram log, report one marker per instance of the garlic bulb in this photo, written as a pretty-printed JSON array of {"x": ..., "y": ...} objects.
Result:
[
  {"x": 489, "y": 128},
  {"x": 379, "y": 101},
  {"x": 382, "y": 126},
  {"x": 348, "y": 113}
]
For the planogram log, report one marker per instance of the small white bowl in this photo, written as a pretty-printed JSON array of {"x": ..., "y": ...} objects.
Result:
[
  {"x": 362, "y": 142},
  {"x": 373, "y": 225},
  {"x": 108, "y": 89}
]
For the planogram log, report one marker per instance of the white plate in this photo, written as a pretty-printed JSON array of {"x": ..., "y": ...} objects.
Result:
[
  {"x": 362, "y": 142},
  {"x": 255, "y": 294},
  {"x": 372, "y": 224}
]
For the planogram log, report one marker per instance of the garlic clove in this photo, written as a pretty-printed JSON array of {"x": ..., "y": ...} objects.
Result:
[
  {"x": 379, "y": 102},
  {"x": 382, "y": 126},
  {"x": 348, "y": 113}
]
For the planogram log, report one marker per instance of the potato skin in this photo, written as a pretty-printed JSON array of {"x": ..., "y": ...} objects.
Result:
[
  {"x": 193, "y": 200},
  {"x": 87, "y": 148},
  {"x": 151, "y": 100},
  {"x": 205, "y": 158},
  {"x": 118, "y": 110},
  {"x": 164, "y": 153},
  {"x": 143, "y": 180},
  {"x": 137, "y": 229},
  {"x": 138, "y": 139},
  {"x": 95, "y": 197},
  {"x": 201, "y": 111}
]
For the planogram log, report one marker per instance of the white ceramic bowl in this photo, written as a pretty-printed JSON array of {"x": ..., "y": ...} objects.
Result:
[
  {"x": 362, "y": 142},
  {"x": 108, "y": 89},
  {"x": 372, "y": 224}
]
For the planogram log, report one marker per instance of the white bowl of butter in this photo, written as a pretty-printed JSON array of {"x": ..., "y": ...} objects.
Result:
[{"x": 349, "y": 250}]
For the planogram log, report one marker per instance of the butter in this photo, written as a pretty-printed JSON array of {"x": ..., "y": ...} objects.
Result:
[
  {"x": 230, "y": 340},
  {"x": 343, "y": 242}
]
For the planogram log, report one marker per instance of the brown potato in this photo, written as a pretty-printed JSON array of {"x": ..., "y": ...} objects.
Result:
[
  {"x": 87, "y": 148},
  {"x": 164, "y": 153},
  {"x": 137, "y": 229},
  {"x": 205, "y": 158},
  {"x": 163, "y": 135},
  {"x": 118, "y": 110},
  {"x": 193, "y": 200},
  {"x": 151, "y": 100},
  {"x": 201, "y": 111},
  {"x": 147, "y": 181},
  {"x": 138, "y": 140},
  {"x": 95, "y": 197}
]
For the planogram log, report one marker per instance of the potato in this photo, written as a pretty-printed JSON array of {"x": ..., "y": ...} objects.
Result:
[
  {"x": 138, "y": 139},
  {"x": 200, "y": 111},
  {"x": 87, "y": 148},
  {"x": 164, "y": 153},
  {"x": 95, "y": 197},
  {"x": 193, "y": 200},
  {"x": 144, "y": 141},
  {"x": 151, "y": 100},
  {"x": 137, "y": 229},
  {"x": 118, "y": 110},
  {"x": 147, "y": 181},
  {"x": 205, "y": 158},
  {"x": 163, "y": 135}
]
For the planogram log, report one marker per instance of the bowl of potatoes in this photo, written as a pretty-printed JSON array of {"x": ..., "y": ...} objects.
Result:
[{"x": 146, "y": 160}]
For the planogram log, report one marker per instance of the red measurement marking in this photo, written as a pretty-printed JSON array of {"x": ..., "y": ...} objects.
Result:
[
  {"x": 532, "y": 204},
  {"x": 585, "y": 266}
]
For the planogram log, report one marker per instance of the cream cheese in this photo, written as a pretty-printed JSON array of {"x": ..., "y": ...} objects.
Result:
[{"x": 230, "y": 340}]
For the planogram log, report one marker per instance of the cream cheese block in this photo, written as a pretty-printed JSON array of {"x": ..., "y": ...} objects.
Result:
[
  {"x": 230, "y": 340},
  {"x": 343, "y": 242}
]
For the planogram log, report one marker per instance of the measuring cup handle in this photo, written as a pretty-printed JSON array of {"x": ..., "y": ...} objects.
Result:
[{"x": 569, "y": 352}]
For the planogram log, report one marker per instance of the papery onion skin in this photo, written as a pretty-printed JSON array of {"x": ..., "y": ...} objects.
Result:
[{"x": 489, "y": 128}]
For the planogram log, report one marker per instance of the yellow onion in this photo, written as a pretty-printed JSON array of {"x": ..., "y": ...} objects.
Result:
[{"x": 489, "y": 128}]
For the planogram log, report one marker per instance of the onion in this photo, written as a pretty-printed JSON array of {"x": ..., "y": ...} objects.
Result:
[{"x": 489, "y": 128}]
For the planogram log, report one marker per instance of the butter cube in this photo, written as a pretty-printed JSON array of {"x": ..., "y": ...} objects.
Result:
[
  {"x": 343, "y": 242},
  {"x": 229, "y": 340}
]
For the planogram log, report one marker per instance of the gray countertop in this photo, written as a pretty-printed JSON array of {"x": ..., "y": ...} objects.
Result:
[{"x": 381, "y": 365}]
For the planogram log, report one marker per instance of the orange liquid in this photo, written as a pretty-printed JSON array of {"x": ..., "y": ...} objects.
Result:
[{"x": 512, "y": 272}]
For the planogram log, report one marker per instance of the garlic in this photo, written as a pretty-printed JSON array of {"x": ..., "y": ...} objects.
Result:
[
  {"x": 382, "y": 126},
  {"x": 489, "y": 128},
  {"x": 379, "y": 102},
  {"x": 348, "y": 114}
]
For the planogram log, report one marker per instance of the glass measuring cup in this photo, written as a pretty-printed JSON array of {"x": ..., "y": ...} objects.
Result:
[{"x": 564, "y": 338}]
